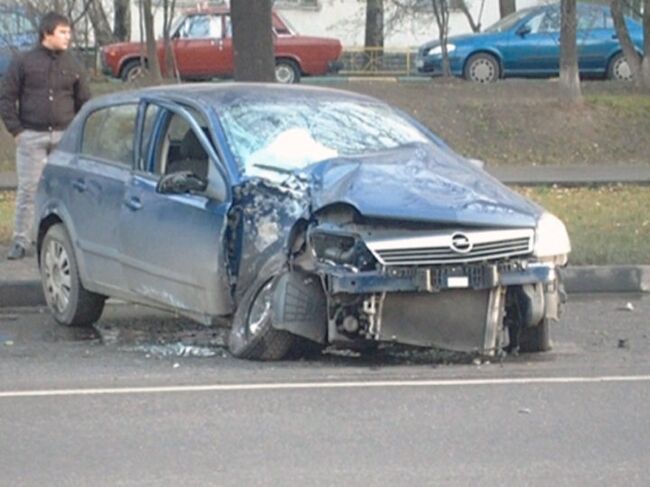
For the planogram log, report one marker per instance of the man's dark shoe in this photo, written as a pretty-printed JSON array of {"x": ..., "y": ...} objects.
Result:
[{"x": 16, "y": 251}]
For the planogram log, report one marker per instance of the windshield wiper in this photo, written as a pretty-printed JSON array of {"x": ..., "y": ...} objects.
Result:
[{"x": 281, "y": 170}]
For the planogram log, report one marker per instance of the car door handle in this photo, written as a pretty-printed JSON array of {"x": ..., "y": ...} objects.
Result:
[
  {"x": 79, "y": 185},
  {"x": 614, "y": 36},
  {"x": 133, "y": 203}
]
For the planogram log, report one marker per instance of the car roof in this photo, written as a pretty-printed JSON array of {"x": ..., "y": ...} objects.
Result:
[{"x": 225, "y": 94}]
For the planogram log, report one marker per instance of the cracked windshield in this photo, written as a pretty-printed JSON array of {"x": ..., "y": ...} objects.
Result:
[{"x": 291, "y": 136}]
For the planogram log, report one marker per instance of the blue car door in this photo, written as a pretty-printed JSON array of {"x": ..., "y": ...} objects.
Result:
[
  {"x": 173, "y": 245},
  {"x": 96, "y": 182},
  {"x": 534, "y": 46}
]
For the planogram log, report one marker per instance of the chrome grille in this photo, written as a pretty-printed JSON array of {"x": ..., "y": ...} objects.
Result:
[{"x": 438, "y": 248}]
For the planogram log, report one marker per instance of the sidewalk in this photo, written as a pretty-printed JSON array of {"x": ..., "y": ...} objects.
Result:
[{"x": 20, "y": 281}]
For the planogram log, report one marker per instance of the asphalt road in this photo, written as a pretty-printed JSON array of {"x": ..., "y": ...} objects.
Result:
[{"x": 112, "y": 407}]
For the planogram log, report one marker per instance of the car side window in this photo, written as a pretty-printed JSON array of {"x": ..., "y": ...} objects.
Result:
[
  {"x": 607, "y": 22},
  {"x": 109, "y": 132},
  {"x": 587, "y": 19},
  {"x": 551, "y": 21},
  {"x": 150, "y": 115},
  {"x": 201, "y": 27},
  {"x": 535, "y": 22},
  {"x": 179, "y": 149}
]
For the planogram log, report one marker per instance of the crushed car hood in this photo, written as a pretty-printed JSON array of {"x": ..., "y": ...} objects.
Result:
[{"x": 419, "y": 182}]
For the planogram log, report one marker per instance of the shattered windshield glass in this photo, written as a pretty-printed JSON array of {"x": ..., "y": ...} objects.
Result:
[{"x": 284, "y": 136}]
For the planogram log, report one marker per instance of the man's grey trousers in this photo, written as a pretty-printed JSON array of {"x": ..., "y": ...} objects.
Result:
[{"x": 31, "y": 155}]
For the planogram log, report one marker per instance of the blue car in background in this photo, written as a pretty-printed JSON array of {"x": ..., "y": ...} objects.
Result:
[
  {"x": 527, "y": 43},
  {"x": 17, "y": 33}
]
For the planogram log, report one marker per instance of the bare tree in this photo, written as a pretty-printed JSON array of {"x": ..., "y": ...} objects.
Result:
[
  {"x": 645, "y": 64},
  {"x": 252, "y": 37},
  {"x": 506, "y": 7},
  {"x": 122, "y": 20},
  {"x": 474, "y": 25},
  {"x": 374, "y": 23},
  {"x": 639, "y": 64},
  {"x": 100, "y": 23},
  {"x": 171, "y": 71},
  {"x": 153, "y": 65},
  {"x": 441, "y": 13},
  {"x": 569, "y": 74}
]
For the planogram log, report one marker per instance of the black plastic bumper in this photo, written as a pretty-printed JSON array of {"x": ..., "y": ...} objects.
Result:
[{"x": 438, "y": 279}]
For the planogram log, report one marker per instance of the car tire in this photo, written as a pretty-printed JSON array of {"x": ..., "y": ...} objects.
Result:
[
  {"x": 70, "y": 303},
  {"x": 535, "y": 338},
  {"x": 618, "y": 68},
  {"x": 287, "y": 71},
  {"x": 252, "y": 335},
  {"x": 482, "y": 68},
  {"x": 132, "y": 71}
]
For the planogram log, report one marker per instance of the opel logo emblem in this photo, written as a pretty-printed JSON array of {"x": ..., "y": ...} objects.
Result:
[{"x": 460, "y": 243}]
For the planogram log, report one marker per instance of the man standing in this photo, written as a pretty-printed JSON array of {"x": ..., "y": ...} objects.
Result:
[{"x": 43, "y": 89}]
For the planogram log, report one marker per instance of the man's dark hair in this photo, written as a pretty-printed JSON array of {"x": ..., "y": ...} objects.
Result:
[{"x": 49, "y": 22}]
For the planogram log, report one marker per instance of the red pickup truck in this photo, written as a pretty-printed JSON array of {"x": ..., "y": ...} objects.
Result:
[{"x": 202, "y": 45}]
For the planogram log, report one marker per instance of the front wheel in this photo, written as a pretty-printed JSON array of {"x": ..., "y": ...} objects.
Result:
[
  {"x": 286, "y": 71},
  {"x": 619, "y": 69},
  {"x": 252, "y": 335},
  {"x": 535, "y": 338},
  {"x": 70, "y": 303},
  {"x": 482, "y": 68}
]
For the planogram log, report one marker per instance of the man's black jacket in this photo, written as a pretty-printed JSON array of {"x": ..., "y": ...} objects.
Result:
[{"x": 49, "y": 86}]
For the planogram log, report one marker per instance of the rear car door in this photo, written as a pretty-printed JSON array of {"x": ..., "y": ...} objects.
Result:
[
  {"x": 597, "y": 39},
  {"x": 96, "y": 189},
  {"x": 173, "y": 245}
]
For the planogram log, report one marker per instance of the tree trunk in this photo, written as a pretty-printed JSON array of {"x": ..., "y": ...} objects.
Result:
[
  {"x": 645, "y": 65},
  {"x": 441, "y": 14},
  {"x": 122, "y": 20},
  {"x": 252, "y": 38},
  {"x": 101, "y": 26},
  {"x": 631, "y": 56},
  {"x": 569, "y": 74},
  {"x": 374, "y": 23},
  {"x": 170, "y": 71},
  {"x": 153, "y": 65},
  {"x": 506, "y": 7}
]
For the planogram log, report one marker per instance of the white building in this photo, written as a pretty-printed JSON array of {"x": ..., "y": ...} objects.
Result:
[{"x": 345, "y": 19}]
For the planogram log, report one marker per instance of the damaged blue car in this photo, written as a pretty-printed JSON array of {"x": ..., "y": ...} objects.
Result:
[{"x": 300, "y": 214}]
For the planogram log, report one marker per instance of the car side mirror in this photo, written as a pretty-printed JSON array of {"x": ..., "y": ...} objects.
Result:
[
  {"x": 523, "y": 31},
  {"x": 181, "y": 182}
]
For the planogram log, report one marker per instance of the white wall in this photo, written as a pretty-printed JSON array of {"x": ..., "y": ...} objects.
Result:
[{"x": 345, "y": 20}]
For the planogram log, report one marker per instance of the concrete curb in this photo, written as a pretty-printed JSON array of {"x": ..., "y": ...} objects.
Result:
[
  {"x": 15, "y": 294},
  {"x": 611, "y": 279},
  {"x": 578, "y": 279}
]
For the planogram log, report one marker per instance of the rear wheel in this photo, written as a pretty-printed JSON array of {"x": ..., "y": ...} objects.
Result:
[
  {"x": 482, "y": 68},
  {"x": 252, "y": 335},
  {"x": 70, "y": 303},
  {"x": 132, "y": 71},
  {"x": 619, "y": 69},
  {"x": 286, "y": 71}
]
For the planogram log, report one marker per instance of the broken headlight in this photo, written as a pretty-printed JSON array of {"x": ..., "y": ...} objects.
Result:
[
  {"x": 343, "y": 249},
  {"x": 551, "y": 238}
]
